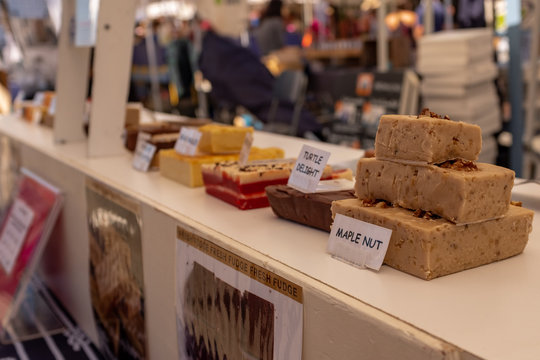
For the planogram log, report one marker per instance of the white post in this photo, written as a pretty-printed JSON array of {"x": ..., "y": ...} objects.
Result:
[
  {"x": 531, "y": 122},
  {"x": 151, "y": 46},
  {"x": 112, "y": 68},
  {"x": 428, "y": 17},
  {"x": 308, "y": 13},
  {"x": 382, "y": 38},
  {"x": 71, "y": 81},
  {"x": 448, "y": 20}
]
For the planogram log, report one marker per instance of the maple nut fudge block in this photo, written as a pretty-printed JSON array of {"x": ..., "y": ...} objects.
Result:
[
  {"x": 460, "y": 191},
  {"x": 429, "y": 247},
  {"x": 426, "y": 138}
]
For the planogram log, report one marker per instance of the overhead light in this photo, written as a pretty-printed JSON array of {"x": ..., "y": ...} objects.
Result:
[
  {"x": 176, "y": 9},
  {"x": 405, "y": 17},
  {"x": 370, "y": 4},
  {"x": 392, "y": 21}
]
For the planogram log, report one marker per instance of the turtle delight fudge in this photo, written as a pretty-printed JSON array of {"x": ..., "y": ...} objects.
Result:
[{"x": 244, "y": 185}]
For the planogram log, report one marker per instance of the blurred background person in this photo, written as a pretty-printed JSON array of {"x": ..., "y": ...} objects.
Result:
[{"x": 270, "y": 34}]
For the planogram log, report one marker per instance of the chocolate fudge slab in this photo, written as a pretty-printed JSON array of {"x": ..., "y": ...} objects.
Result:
[{"x": 311, "y": 209}]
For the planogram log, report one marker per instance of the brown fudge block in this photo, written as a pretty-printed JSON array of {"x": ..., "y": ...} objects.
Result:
[
  {"x": 429, "y": 248},
  {"x": 458, "y": 192},
  {"x": 426, "y": 139},
  {"x": 151, "y": 129},
  {"x": 311, "y": 209}
]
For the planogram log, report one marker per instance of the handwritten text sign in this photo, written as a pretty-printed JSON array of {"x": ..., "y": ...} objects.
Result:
[
  {"x": 358, "y": 242},
  {"x": 308, "y": 169}
]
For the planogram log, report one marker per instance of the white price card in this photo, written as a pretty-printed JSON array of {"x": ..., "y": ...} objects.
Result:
[
  {"x": 86, "y": 13},
  {"x": 246, "y": 148},
  {"x": 358, "y": 242},
  {"x": 39, "y": 97},
  {"x": 52, "y": 106},
  {"x": 334, "y": 185},
  {"x": 188, "y": 141},
  {"x": 308, "y": 169},
  {"x": 12, "y": 237},
  {"x": 144, "y": 153},
  {"x": 19, "y": 97}
]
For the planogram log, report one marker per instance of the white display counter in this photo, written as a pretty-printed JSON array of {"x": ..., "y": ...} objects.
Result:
[{"x": 349, "y": 313}]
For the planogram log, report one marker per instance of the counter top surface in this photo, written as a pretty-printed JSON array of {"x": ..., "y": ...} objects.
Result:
[{"x": 491, "y": 311}]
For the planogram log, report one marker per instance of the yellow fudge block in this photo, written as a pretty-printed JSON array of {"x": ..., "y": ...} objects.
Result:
[
  {"x": 426, "y": 139},
  {"x": 429, "y": 248},
  {"x": 460, "y": 191},
  {"x": 186, "y": 170},
  {"x": 216, "y": 139}
]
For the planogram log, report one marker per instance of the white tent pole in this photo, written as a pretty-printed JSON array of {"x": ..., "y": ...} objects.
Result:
[
  {"x": 428, "y": 17},
  {"x": 382, "y": 38}
]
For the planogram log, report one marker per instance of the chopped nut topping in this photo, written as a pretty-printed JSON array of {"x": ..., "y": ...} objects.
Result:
[
  {"x": 459, "y": 165},
  {"x": 426, "y": 112},
  {"x": 382, "y": 204},
  {"x": 428, "y": 215},
  {"x": 368, "y": 202},
  {"x": 516, "y": 203},
  {"x": 375, "y": 203}
]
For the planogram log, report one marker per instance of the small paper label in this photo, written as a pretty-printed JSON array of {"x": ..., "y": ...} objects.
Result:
[
  {"x": 39, "y": 97},
  {"x": 246, "y": 148},
  {"x": 334, "y": 185},
  {"x": 188, "y": 141},
  {"x": 52, "y": 106},
  {"x": 308, "y": 169},
  {"x": 19, "y": 97},
  {"x": 358, "y": 242},
  {"x": 14, "y": 233},
  {"x": 144, "y": 153}
]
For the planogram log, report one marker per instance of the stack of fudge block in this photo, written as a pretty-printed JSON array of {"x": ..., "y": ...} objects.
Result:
[
  {"x": 218, "y": 143},
  {"x": 446, "y": 211}
]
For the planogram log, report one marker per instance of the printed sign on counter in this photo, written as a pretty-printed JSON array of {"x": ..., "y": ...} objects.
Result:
[
  {"x": 308, "y": 169},
  {"x": 188, "y": 141},
  {"x": 358, "y": 242},
  {"x": 116, "y": 272},
  {"x": 24, "y": 231},
  {"x": 14, "y": 233},
  {"x": 261, "y": 311}
]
